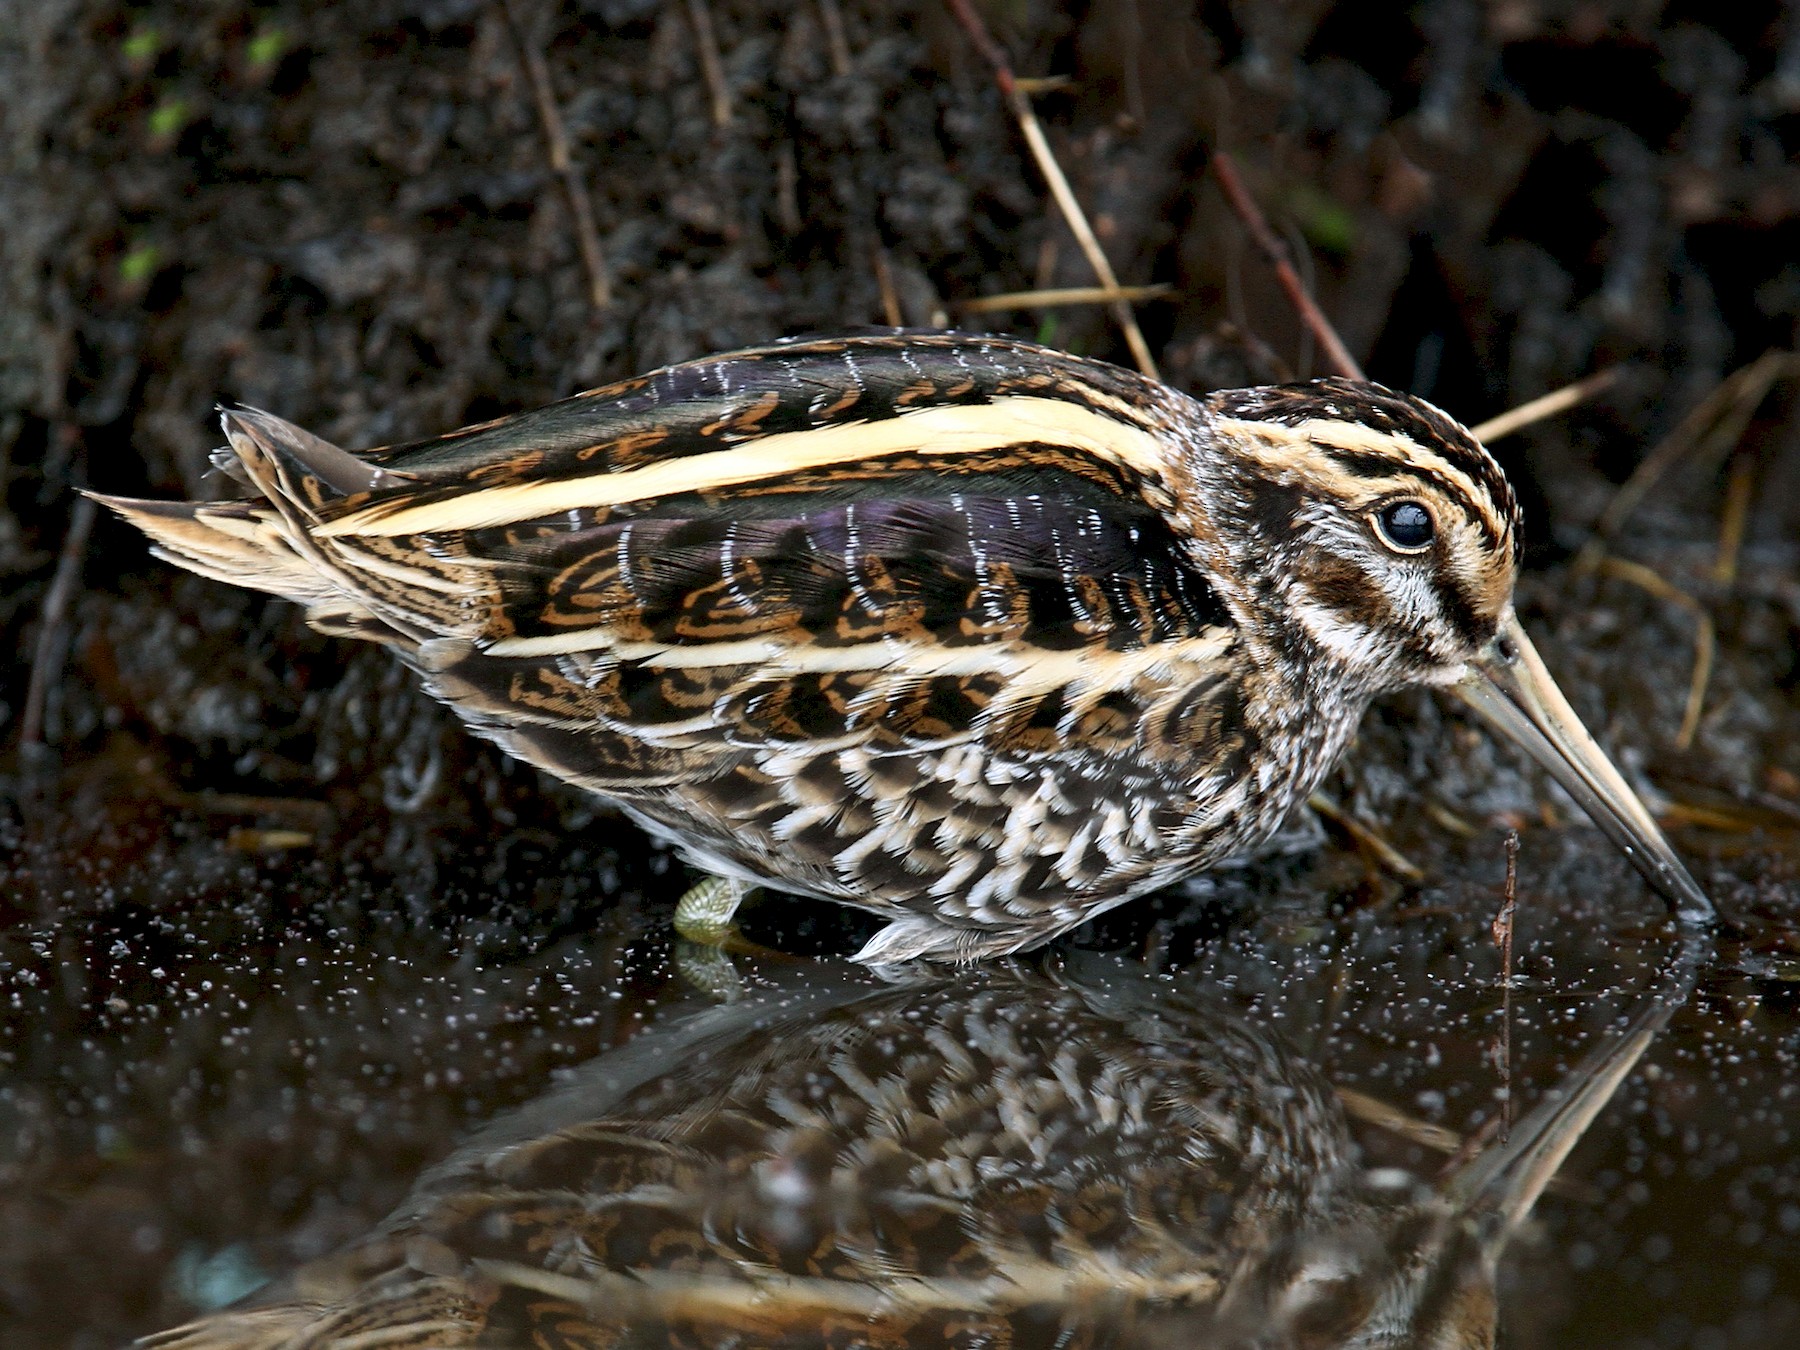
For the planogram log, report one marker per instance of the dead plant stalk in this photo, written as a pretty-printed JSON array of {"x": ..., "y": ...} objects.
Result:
[{"x": 1064, "y": 195}]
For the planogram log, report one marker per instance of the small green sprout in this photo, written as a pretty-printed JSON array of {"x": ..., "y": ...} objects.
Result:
[
  {"x": 139, "y": 264},
  {"x": 141, "y": 45},
  {"x": 1327, "y": 223},
  {"x": 267, "y": 47},
  {"x": 168, "y": 118}
]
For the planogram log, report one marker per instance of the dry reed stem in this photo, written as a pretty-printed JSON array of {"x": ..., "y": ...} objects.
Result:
[
  {"x": 1705, "y": 637},
  {"x": 1053, "y": 297},
  {"x": 1366, "y": 837},
  {"x": 837, "y": 43},
  {"x": 1544, "y": 406},
  {"x": 884, "y": 278},
  {"x": 1373, "y": 1111},
  {"x": 1064, "y": 195},
  {"x": 712, "y": 69},
  {"x": 562, "y": 164},
  {"x": 1733, "y": 521},
  {"x": 1712, "y": 428},
  {"x": 1225, "y": 170}
]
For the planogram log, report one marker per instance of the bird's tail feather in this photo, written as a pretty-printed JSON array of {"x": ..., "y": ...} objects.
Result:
[{"x": 268, "y": 545}]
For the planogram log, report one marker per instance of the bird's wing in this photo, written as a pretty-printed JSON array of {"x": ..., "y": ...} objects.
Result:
[{"x": 893, "y": 536}]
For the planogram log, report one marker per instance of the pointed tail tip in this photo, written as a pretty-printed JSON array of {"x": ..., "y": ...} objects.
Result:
[
  {"x": 257, "y": 435},
  {"x": 138, "y": 509}
]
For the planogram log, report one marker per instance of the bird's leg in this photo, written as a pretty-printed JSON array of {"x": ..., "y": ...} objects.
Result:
[
  {"x": 705, "y": 921},
  {"x": 706, "y": 912}
]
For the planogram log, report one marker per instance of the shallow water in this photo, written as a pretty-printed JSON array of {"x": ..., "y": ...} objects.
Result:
[{"x": 221, "y": 1068}]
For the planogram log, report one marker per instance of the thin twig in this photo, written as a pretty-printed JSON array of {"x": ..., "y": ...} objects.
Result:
[
  {"x": 1713, "y": 427},
  {"x": 1733, "y": 522},
  {"x": 562, "y": 164},
  {"x": 244, "y": 804},
  {"x": 884, "y": 279},
  {"x": 1503, "y": 939},
  {"x": 1066, "y": 203},
  {"x": 1232, "y": 184},
  {"x": 787, "y": 189},
  {"x": 1062, "y": 295},
  {"x": 711, "y": 67},
  {"x": 1367, "y": 838},
  {"x": 1307, "y": 267},
  {"x": 1545, "y": 405},
  {"x": 836, "y": 43},
  {"x": 1473, "y": 1143},
  {"x": 1705, "y": 637},
  {"x": 246, "y": 840},
  {"x": 47, "y": 659},
  {"x": 1371, "y": 1110}
]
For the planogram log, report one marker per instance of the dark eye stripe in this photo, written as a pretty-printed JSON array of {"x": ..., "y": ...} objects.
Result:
[{"x": 1459, "y": 610}]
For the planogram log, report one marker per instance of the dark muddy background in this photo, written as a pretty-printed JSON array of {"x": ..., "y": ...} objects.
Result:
[{"x": 274, "y": 933}]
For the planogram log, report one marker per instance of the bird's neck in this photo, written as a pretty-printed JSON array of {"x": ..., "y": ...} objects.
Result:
[{"x": 1301, "y": 698}]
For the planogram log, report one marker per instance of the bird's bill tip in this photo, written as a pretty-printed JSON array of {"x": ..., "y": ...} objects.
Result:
[{"x": 1511, "y": 688}]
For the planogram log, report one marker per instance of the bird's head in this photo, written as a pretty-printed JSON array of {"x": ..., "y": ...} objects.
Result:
[
  {"x": 1375, "y": 534},
  {"x": 1367, "y": 541}
]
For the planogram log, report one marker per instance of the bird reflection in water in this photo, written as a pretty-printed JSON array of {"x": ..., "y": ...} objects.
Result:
[{"x": 998, "y": 1157}]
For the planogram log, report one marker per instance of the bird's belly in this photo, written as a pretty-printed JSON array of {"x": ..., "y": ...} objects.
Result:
[
  {"x": 1029, "y": 815},
  {"x": 968, "y": 836}
]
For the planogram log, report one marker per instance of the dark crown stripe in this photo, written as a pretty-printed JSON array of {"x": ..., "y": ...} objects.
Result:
[
  {"x": 1380, "y": 409},
  {"x": 1370, "y": 466}
]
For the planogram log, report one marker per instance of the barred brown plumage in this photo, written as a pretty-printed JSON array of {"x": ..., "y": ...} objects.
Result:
[{"x": 978, "y": 635}]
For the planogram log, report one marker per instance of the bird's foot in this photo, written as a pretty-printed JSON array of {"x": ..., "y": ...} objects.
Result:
[
  {"x": 706, "y": 914},
  {"x": 706, "y": 925}
]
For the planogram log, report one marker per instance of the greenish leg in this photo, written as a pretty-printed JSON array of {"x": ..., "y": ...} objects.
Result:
[
  {"x": 706, "y": 913},
  {"x": 705, "y": 921}
]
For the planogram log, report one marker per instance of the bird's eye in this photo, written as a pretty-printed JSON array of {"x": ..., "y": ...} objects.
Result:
[{"x": 1404, "y": 526}]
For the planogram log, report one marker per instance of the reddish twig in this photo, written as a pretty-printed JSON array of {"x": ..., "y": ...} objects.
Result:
[
  {"x": 1066, "y": 202},
  {"x": 1280, "y": 257},
  {"x": 47, "y": 658},
  {"x": 1503, "y": 939}
]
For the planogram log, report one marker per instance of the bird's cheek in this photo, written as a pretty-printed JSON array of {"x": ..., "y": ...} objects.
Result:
[{"x": 1338, "y": 635}]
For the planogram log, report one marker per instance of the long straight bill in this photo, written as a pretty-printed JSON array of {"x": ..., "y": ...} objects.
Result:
[{"x": 1510, "y": 687}]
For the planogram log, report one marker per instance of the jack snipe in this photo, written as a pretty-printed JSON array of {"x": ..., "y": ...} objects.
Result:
[{"x": 977, "y": 635}]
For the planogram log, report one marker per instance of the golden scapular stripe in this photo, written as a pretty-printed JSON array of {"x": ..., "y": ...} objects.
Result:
[{"x": 959, "y": 430}]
